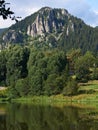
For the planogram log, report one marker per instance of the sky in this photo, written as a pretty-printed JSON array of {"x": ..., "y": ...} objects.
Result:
[{"x": 87, "y": 10}]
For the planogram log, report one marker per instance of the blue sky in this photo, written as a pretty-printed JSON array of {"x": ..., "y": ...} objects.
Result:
[{"x": 87, "y": 10}]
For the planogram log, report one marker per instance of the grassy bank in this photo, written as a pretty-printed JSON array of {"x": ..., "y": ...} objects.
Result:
[
  {"x": 87, "y": 93},
  {"x": 60, "y": 98}
]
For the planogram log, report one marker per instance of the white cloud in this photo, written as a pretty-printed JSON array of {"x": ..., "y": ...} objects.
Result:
[{"x": 6, "y": 23}]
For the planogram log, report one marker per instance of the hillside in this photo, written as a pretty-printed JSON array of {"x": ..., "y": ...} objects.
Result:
[
  {"x": 52, "y": 28},
  {"x": 2, "y": 30}
]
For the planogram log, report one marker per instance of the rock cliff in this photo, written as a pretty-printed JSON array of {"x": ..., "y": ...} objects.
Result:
[{"x": 48, "y": 20}]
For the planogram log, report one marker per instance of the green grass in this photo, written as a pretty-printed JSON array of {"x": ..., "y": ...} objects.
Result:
[
  {"x": 88, "y": 88},
  {"x": 88, "y": 92},
  {"x": 44, "y": 99}
]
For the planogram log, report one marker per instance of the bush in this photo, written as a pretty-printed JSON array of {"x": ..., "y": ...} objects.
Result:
[
  {"x": 94, "y": 75},
  {"x": 3, "y": 93},
  {"x": 22, "y": 87},
  {"x": 71, "y": 88}
]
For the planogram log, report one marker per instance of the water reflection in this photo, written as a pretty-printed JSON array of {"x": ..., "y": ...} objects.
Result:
[{"x": 47, "y": 117}]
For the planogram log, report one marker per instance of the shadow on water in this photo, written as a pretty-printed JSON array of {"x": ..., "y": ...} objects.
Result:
[{"x": 47, "y": 117}]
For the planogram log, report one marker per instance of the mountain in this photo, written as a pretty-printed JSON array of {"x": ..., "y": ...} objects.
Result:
[
  {"x": 2, "y": 30},
  {"x": 52, "y": 28}
]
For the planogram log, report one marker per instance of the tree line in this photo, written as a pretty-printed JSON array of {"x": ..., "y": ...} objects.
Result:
[{"x": 30, "y": 71}]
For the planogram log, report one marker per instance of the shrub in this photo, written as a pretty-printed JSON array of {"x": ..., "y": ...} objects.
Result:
[{"x": 71, "y": 88}]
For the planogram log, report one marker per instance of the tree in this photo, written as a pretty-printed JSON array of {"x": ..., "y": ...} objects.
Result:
[
  {"x": 53, "y": 85},
  {"x": 83, "y": 65},
  {"x": 16, "y": 64},
  {"x": 22, "y": 87},
  {"x": 2, "y": 67},
  {"x": 36, "y": 71},
  {"x": 57, "y": 62},
  {"x": 81, "y": 69},
  {"x": 71, "y": 88},
  {"x": 94, "y": 75},
  {"x": 5, "y": 12}
]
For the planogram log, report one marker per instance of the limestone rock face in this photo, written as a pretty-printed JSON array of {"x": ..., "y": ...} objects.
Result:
[
  {"x": 48, "y": 20},
  {"x": 12, "y": 36},
  {"x": 42, "y": 24}
]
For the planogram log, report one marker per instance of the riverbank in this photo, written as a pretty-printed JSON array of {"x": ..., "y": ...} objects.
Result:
[
  {"x": 87, "y": 92},
  {"x": 80, "y": 101},
  {"x": 83, "y": 98}
]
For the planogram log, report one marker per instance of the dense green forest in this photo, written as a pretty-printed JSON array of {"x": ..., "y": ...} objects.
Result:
[{"x": 31, "y": 71}]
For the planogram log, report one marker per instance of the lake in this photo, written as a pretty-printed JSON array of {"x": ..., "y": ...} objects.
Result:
[{"x": 47, "y": 117}]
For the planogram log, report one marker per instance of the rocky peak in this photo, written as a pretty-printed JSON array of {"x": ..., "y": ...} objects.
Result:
[
  {"x": 48, "y": 20},
  {"x": 45, "y": 9},
  {"x": 43, "y": 23}
]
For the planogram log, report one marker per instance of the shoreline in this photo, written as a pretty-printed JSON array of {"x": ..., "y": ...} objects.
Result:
[
  {"x": 83, "y": 98},
  {"x": 56, "y": 101}
]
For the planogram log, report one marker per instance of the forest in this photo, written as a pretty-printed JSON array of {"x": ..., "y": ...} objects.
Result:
[{"x": 28, "y": 71}]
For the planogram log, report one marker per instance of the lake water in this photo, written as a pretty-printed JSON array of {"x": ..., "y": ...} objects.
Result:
[{"x": 47, "y": 117}]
